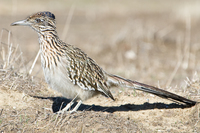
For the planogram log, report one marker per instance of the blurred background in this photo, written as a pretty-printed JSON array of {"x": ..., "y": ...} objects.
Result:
[{"x": 151, "y": 41}]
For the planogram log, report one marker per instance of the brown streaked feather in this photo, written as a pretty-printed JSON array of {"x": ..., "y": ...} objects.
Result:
[
  {"x": 150, "y": 89},
  {"x": 70, "y": 71}
]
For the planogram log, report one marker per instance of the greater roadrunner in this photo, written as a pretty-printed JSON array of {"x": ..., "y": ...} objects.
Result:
[{"x": 70, "y": 71}]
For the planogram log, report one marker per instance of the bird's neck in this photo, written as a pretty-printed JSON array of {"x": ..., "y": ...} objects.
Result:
[
  {"x": 48, "y": 33},
  {"x": 49, "y": 41}
]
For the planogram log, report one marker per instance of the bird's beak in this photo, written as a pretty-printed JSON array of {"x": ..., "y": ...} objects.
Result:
[{"x": 21, "y": 22}]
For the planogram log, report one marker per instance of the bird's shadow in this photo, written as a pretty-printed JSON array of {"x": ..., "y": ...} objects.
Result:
[{"x": 60, "y": 102}]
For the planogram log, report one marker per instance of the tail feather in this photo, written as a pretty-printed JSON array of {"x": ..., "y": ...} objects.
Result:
[{"x": 116, "y": 80}]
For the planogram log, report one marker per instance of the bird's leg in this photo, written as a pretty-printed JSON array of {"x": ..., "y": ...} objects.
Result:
[
  {"x": 66, "y": 108},
  {"x": 76, "y": 107}
]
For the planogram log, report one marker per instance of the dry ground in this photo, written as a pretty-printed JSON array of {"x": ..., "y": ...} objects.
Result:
[{"x": 156, "y": 42}]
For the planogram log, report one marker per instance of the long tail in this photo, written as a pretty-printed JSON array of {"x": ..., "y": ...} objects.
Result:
[{"x": 116, "y": 80}]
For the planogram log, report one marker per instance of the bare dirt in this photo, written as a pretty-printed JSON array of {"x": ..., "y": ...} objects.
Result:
[{"x": 154, "y": 42}]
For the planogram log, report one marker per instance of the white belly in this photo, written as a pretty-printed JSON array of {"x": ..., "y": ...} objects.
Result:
[{"x": 57, "y": 79}]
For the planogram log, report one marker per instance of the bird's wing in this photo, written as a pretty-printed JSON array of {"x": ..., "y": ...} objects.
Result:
[{"x": 84, "y": 72}]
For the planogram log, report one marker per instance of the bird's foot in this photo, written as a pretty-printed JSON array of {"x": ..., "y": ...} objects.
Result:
[{"x": 67, "y": 108}]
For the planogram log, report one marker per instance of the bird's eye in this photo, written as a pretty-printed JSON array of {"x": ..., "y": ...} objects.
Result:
[{"x": 38, "y": 20}]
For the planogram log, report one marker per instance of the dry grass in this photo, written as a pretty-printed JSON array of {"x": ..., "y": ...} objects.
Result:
[{"x": 153, "y": 43}]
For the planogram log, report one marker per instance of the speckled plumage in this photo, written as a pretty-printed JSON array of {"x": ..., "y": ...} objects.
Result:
[{"x": 70, "y": 71}]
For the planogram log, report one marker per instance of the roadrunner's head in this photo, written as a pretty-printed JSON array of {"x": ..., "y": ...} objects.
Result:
[{"x": 40, "y": 22}]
